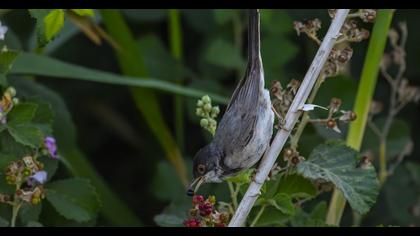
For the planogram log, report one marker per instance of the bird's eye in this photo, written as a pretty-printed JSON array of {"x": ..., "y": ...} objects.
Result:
[{"x": 201, "y": 169}]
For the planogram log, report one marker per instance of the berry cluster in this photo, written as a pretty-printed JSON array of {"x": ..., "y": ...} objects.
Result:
[
  {"x": 6, "y": 103},
  {"x": 204, "y": 214},
  {"x": 283, "y": 97},
  {"x": 208, "y": 113}
]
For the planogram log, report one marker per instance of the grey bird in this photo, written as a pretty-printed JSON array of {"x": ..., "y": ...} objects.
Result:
[{"x": 245, "y": 130}]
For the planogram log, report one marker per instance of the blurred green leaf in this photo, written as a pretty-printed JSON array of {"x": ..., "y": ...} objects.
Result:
[
  {"x": 34, "y": 224},
  {"x": 197, "y": 18},
  {"x": 276, "y": 21},
  {"x": 29, "y": 213},
  {"x": 3, "y": 82},
  {"x": 75, "y": 199},
  {"x": 398, "y": 137},
  {"x": 11, "y": 40},
  {"x": 270, "y": 217},
  {"x": 3, "y": 222},
  {"x": 337, "y": 164},
  {"x": 159, "y": 62},
  {"x": 146, "y": 15},
  {"x": 53, "y": 22},
  {"x": 65, "y": 133},
  {"x": 222, "y": 16},
  {"x": 223, "y": 53},
  {"x": 165, "y": 183},
  {"x": 174, "y": 214},
  {"x": 33, "y": 64},
  {"x": 316, "y": 218},
  {"x": 84, "y": 12},
  {"x": 414, "y": 170},
  {"x": 7, "y": 57},
  {"x": 39, "y": 15}
]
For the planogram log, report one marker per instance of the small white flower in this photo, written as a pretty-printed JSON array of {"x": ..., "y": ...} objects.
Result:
[
  {"x": 3, "y": 30},
  {"x": 310, "y": 107}
]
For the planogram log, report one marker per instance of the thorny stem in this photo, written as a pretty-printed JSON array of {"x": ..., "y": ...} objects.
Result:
[{"x": 257, "y": 217}]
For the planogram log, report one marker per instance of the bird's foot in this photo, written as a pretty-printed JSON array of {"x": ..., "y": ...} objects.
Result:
[
  {"x": 282, "y": 121},
  {"x": 253, "y": 177}
]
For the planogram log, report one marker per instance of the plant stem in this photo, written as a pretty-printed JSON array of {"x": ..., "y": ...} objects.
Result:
[
  {"x": 175, "y": 33},
  {"x": 233, "y": 195},
  {"x": 15, "y": 211},
  {"x": 305, "y": 119},
  {"x": 257, "y": 217},
  {"x": 363, "y": 100},
  {"x": 382, "y": 161},
  {"x": 291, "y": 118}
]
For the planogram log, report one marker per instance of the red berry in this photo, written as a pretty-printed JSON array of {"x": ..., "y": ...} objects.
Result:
[
  {"x": 205, "y": 209},
  {"x": 192, "y": 223},
  {"x": 197, "y": 199}
]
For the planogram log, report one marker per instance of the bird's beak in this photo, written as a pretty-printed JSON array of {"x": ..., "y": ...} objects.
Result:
[{"x": 197, "y": 182}]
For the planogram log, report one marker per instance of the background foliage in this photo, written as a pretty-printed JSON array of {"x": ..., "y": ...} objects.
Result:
[{"x": 127, "y": 140}]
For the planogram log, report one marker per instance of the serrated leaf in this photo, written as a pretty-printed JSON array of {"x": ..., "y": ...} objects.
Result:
[
  {"x": 223, "y": 16},
  {"x": 7, "y": 57},
  {"x": 53, "y": 23},
  {"x": 22, "y": 113},
  {"x": 338, "y": 164},
  {"x": 26, "y": 134},
  {"x": 84, "y": 12},
  {"x": 223, "y": 53},
  {"x": 283, "y": 203},
  {"x": 75, "y": 199},
  {"x": 270, "y": 217},
  {"x": 44, "y": 117}
]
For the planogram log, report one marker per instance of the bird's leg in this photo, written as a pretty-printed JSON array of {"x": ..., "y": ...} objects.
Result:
[
  {"x": 280, "y": 118},
  {"x": 254, "y": 175}
]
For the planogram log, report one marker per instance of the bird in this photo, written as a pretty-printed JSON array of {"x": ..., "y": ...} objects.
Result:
[{"x": 246, "y": 128}]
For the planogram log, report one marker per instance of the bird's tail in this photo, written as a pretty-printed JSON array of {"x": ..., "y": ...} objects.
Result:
[{"x": 254, "y": 36}]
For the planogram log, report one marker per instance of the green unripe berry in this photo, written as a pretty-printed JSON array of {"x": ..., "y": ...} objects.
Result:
[
  {"x": 204, "y": 122},
  {"x": 15, "y": 101},
  {"x": 206, "y": 99},
  {"x": 207, "y": 107},
  {"x": 200, "y": 103},
  {"x": 215, "y": 110},
  {"x": 26, "y": 172},
  {"x": 11, "y": 91},
  {"x": 213, "y": 123},
  {"x": 35, "y": 200},
  {"x": 199, "y": 112}
]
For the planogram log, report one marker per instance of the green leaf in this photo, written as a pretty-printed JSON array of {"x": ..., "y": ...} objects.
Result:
[
  {"x": 223, "y": 53},
  {"x": 316, "y": 218},
  {"x": 270, "y": 217},
  {"x": 84, "y": 12},
  {"x": 3, "y": 81},
  {"x": 53, "y": 23},
  {"x": 338, "y": 164},
  {"x": 29, "y": 213},
  {"x": 242, "y": 178},
  {"x": 34, "y": 64},
  {"x": 39, "y": 15},
  {"x": 276, "y": 21},
  {"x": 165, "y": 183},
  {"x": 283, "y": 203},
  {"x": 34, "y": 224},
  {"x": 146, "y": 15},
  {"x": 22, "y": 113},
  {"x": 414, "y": 170},
  {"x": 7, "y": 57},
  {"x": 44, "y": 117},
  {"x": 3, "y": 222},
  {"x": 222, "y": 16},
  {"x": 297, "y": 187},
  {"x": 75, "y": 199},
  {"x": 160, "y": 63},
  {"x": 174, "y": 214},
  {"x": 76, "y": 162},
  {"x": 26, "y": 134}
]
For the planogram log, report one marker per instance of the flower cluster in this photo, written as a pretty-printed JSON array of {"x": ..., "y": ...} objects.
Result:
[
  {"x": 28, "y": 175},
  {"x": 208, "y": 113},
  {"x": 283, "y": 98},
  {"x": 204, "y": 214},
  {"x": 336, "y": 61},
  {"x": 292, "y": 156},
  {"x": 3, "y": 31},
  {"x": 6, "y": 103}
]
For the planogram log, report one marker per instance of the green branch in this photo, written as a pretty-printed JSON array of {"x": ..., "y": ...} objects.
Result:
[{"x": 363, "y": 100}]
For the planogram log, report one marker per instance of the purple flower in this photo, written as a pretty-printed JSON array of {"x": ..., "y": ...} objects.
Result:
[
  {"x": 38, "y": 178},
  {"x": 50, "y": 144}
]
